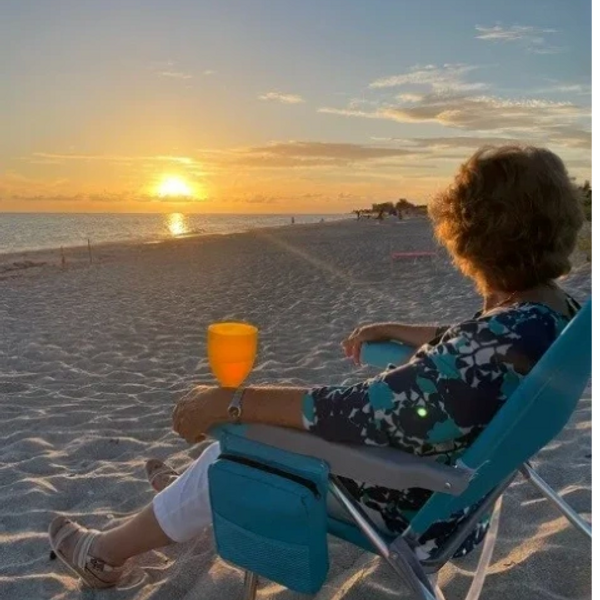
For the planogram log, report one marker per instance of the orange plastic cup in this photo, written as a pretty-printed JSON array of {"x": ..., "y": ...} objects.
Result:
[{"x": 232, "y": 351}]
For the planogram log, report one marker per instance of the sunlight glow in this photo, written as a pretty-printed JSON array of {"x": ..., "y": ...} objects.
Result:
[
  {"x": 177, "y": 224},
  {"x": 173, "y": 187}
]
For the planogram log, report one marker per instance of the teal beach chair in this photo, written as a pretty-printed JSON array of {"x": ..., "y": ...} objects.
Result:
[{"x": 270, "y": 487}]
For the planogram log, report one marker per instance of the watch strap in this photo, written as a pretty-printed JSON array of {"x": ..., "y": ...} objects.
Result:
[{"x": 235, "y": 406}]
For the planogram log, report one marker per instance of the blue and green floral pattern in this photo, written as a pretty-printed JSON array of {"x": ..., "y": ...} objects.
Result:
[{"x": 435, "y": 405}]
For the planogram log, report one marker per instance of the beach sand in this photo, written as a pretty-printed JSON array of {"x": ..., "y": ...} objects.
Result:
[{"x": 92, "y": 359}]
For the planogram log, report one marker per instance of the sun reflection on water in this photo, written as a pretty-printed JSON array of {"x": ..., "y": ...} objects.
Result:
[{"x": 177, "y": 224}]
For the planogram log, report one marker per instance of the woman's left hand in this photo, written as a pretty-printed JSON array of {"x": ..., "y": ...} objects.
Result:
[{"x": 198, "y": 411}]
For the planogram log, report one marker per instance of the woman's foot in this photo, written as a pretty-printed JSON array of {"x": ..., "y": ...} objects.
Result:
[
  {"x": 75, "y": 546},
  {"x": 159, "y": 474}
]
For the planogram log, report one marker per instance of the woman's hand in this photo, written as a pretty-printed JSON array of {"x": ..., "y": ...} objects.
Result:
[
  {"x": 368, "y": 333},
  {"x": 199, "y": 410}
]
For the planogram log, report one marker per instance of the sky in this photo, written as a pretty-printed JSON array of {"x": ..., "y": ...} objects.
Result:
[{"x": 278, "y": 106}]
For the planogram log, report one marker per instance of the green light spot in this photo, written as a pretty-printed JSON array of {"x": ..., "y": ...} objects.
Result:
[{"x": 422, "y": 412}]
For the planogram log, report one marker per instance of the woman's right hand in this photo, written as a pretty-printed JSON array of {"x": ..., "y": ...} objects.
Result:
[{"x": 352, "y": 345}]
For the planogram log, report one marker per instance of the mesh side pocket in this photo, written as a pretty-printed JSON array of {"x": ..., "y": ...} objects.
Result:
[
  {"x": 269, "y": 523},
  {"x": 281, "y": 562}
]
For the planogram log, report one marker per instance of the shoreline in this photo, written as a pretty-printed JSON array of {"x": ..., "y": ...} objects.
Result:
[
  {"x": 158, "y": 237},
  {"x": 27, "y": 263},
  {"x": 15, "y": 264}
]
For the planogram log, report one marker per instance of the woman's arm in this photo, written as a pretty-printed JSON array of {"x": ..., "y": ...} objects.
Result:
[
  {"x": 370, "y": 412},
  {"x": 206, "y": 407},
  {"x": 412, "y": 335},
  {"x": 443, "y": 394},
  {"x": 293, "y": 407}
]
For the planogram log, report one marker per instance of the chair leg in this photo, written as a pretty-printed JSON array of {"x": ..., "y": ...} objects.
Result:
[
  {"x": 411, "y": 574},
  {"x": 572, "y": 516},
  {"x": 433, "y": 579},
  {"x": 250, "y": 585},
  {"x": 486, "y": 554}
]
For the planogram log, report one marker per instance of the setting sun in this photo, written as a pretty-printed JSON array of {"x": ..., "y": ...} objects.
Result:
[{"x": 173, "y": 187}]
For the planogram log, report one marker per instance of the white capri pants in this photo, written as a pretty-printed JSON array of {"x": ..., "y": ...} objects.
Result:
[{"x": 183, "y": 508}]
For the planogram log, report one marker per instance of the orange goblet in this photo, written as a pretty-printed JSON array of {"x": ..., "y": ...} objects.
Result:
[{"x": 232, "y": 351}]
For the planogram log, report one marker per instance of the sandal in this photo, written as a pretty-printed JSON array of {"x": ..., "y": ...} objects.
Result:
[
  {"x": 159, "y": 474},
  {"x": 76, "y": 556}
]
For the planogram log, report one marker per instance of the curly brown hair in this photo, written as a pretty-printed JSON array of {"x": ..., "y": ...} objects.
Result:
[{"x": 510, "y": 219}]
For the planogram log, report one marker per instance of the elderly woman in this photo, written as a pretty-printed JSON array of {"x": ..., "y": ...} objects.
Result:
[{"x": 510, "y": 222}]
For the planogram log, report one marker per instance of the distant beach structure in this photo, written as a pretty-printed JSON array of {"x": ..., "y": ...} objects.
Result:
[{"x": 401, "y": 209}]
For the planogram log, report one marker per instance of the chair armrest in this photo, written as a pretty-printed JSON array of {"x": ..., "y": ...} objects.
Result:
[
  {"x": 383, "y": 354},
  {"x": 385, "y": 466}
]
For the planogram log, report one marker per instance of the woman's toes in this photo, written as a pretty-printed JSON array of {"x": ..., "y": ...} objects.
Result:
[
  {"x": 159, "y": 474},
  {"x": 154, "y": 465}
]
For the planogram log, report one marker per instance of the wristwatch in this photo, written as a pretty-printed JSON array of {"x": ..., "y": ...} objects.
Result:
[{"x": 235, "y": 406}]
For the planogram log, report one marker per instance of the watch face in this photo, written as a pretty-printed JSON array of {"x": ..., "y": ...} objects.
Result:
[{"x": 234, "y": 412}]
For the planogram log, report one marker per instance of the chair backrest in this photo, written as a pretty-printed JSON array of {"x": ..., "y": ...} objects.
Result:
[{"x": 531, "y": 417}]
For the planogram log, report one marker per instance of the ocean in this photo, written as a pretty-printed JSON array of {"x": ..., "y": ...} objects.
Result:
[{"x": 20, "y": 232}]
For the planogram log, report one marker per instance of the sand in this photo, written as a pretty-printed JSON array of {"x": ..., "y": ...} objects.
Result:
[{"x": 92, "y": 359}]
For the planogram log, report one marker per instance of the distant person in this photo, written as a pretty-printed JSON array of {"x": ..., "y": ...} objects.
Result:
[
  {"x": 293, "y": 220},
  {"x": 510, "y": 221}
]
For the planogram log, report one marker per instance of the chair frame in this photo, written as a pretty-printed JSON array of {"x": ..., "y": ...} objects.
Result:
[
  {"x": 396, "y": 470},
  {"x": 421, "y": 577}
]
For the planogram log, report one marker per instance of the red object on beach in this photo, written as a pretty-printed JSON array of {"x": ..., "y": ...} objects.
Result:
[{"x": 398, "y": 255}]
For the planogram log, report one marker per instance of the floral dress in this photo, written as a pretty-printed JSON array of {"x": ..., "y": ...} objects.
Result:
[{"x": 436, "y": 405}]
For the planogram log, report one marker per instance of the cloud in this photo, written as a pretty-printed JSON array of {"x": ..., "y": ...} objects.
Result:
[
  {"x": 284, "y": 199},
  {"x": 547, "y": 50},
  {"x": 12, "y": 182},
  {"x": 175, "y": 75},
  {"x": 171, "y": 70},
  {"x": 445, "y": 153},
  {"x": 577, "y": 89},
  {"x": 562, "y": 123},
  {"x": 58, "y": 157},
  {"x": 570, "y": 136},
  {"x": 409, "y": 97},
  {"x": 284, "y": 98},
  {"x": 258, "y": 199},
  {"x": 579, "y": 163},
  {"x": 350, "y": 112},
  {"x": 314, "y": 154},
  {"x": 482, "y": 112},
  {"x": 528, "y": 36},
  {"x": 445, "y": 77},
  {"x": 208, "y": 72},
  {"x": 277, "y": 155},
  {"x": 106, "y": 198},
  {"x": 445, "y": 97},
  {"x": 511, "y": 34},
  {"x": 351, "y": 152},
  {"x": 445, "y": 142}
]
